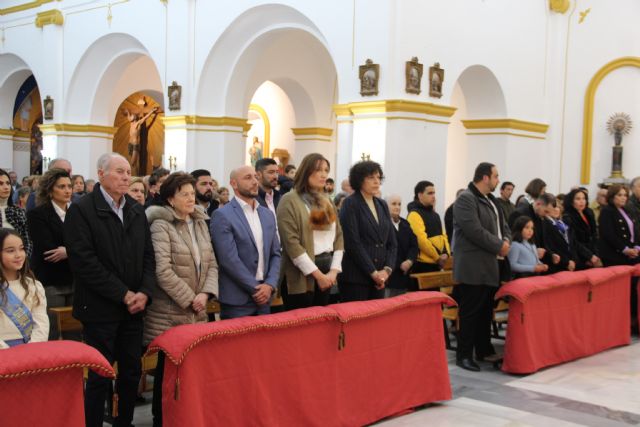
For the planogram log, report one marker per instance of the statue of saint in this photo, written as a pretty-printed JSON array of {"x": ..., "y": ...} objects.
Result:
[
  {"x": 134, "y": 136},
  {"x": 255, "y": 152},
  {"x": 25, "y": 113}
]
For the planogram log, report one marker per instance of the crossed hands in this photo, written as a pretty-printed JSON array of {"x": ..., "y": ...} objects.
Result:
[
  {"x": 136, "y": 302},
  {"x": 262, "y": 294},
  {"x": 380, "y": 278},
  {"x": 325, "y": 281},
  {"x": 199, "y": 303}
]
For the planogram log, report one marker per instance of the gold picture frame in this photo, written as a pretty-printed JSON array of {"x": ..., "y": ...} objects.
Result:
[
  {"x": 174, "y": 93},
  {"x": 413, "y": 76},
  {"x": 369, "y": 78},
  {"x": 436, "y": 78},
  {"x": 48, "y": 108}
]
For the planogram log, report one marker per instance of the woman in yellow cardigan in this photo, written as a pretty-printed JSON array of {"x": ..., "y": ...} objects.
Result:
[
  {"x": 427, "y": 226},
  {"x": 311, "y": 237}
]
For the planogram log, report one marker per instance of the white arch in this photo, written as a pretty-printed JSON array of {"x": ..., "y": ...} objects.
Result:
[
  {"x": 13, "y": 73},
  {"x": 231, "y": 73},
  {"x": 101, "y": 68},
  {"x": 482, "y": 92}
]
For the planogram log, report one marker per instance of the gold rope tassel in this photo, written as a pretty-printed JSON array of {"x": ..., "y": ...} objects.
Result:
[
  {"x": 114, "y": 405},
  {"x": 176, "y": 391},
  {"x": 341, "y": 340}
]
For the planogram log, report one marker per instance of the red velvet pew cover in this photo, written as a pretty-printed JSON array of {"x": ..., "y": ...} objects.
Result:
[
  {"x": 41, "y": 384},
  {"x": 342, "y": 365},
  {"x": 636, "y": 272},
  {"x": 565, "y": 316}
]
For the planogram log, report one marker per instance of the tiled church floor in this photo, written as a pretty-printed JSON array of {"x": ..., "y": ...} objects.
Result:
[{"x": 600, "y": 391}]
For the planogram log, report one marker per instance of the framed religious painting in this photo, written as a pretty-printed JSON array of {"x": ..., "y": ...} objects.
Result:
[
  {"x": 369, "y": 77},
  {"x": 413, "y": 76},
  {"x": 436, "y": 77}
]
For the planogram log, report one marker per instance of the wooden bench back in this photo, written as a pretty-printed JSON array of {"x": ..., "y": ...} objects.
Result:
[{"x": 65, "y": 320}]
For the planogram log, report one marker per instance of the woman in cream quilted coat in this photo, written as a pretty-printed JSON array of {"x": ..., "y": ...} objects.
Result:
[{"x": 186, "y": 267}]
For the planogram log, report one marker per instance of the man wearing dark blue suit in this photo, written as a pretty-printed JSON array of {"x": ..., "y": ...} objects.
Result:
[{"x": 247, "y": 249}]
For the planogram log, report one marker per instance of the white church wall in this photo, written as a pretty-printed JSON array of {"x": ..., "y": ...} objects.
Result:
[
  {"x": 608, "y": 32},
  {"x": 302, "y": 67},
  {"x": 507, "y": 37},
  {"x": 458, "y": 169},
  {"x": 132, "y": 18},
  {"x": 415, "y": 151},
  {"x": 228, "y": 35},
  {"x": 522, "y": 43},
  {"x": 618, "y": 92}
]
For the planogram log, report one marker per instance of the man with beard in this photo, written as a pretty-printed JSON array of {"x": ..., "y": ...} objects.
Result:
[
  {"x": 204, "y": 191},
  {"x": 247, "y": 249},
  {"x": 329, "y": 188},
  {"x": 268, "y": 196},
  {"x": 480, "y": 242}
]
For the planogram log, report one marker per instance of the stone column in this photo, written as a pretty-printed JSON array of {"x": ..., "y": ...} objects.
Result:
[
  {"x": 408, "y": 138},
  {"x": 213, "y": 143},
  {"x": 315, "y": 140},
  {"x": 82, "y": 145}
]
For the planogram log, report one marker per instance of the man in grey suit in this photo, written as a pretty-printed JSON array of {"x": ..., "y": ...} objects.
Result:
[
  {"x": 480, "y": 243},
  {"x": 247, "y": 248}
]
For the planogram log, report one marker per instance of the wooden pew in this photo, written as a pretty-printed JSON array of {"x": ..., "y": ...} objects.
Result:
[
  {"x": 65, "y": 321},
  {"x": 441, "y": 281}
]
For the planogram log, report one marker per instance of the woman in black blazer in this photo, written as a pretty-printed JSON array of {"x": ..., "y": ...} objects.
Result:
[
  {"x": 619, "y": 233},
  {"x": 369, "y": 236},
  {"x": 620, "y": 239},
  {"x": 46, "y": 222},
  {"x": 558, "y": 240},
  {"x": 582, "y": 221}
]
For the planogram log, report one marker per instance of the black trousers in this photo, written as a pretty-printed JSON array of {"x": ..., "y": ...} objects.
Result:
[
  {"x": 359, "y": 292},
  {"x": 309, "y": 299},
  {"x": 475, "y": 311},
  {"x": 156, "y": 403},
  {"x": 121, "y": 342}
]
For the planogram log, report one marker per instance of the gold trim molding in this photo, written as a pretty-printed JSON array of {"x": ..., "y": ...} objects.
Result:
[
  {"x": 523, "y": 135},
  {"x": 312, "y": 131},
  {"x": 15, "y": 132},
  {"x": 589, "y": 99},
  {"x": 50, "y": 17},
  {"x": 66, "y": 127},
  {"x": 559, "y": 6},
  {"x": 505, "y": 124},
  {"x": 393, "y": 105},
  {"x": 206, "y": 121},
  {"x": 23, "y": 7}
]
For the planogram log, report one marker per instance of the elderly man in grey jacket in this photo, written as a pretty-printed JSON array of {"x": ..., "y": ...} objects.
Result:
[{"x": 481, "y": 241}]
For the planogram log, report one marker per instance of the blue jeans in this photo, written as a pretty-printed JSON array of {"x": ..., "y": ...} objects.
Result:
[{"x": 251, "y": 309}]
